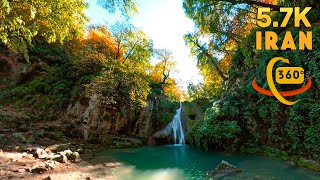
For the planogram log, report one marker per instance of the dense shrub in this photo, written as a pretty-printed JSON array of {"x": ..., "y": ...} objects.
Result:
[
  {"x": 120, "y": 87},
  {"x": 214, "y": 132}
]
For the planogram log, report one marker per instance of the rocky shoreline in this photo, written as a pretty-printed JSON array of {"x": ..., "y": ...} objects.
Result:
[
  {"x": 35, "y": 149},
  {"x": 53, "y": 162},
  {"x": 28, "y": 155},
  {"x": 49, "y": 150}
]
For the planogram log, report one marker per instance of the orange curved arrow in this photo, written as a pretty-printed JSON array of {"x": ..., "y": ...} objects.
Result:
[{"x": 283, "y": 93}]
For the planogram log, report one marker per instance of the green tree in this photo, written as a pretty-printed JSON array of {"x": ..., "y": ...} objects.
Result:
[
  {"x": 195, "y": 91},
  {"x": 136, "y": 46},
  {"x": 204, "y": 58},
  {"x": 166, "y": 65},
  {"x": 221, "y": 25},
  {"x": 120, "y": 87},
  {"x": 21, "y": 20},
  {"x": 262, "y": 121}
]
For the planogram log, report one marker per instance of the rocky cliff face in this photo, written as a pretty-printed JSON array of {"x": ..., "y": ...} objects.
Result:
[
  {"x": 86, "y": 117},
  {"x": 12, "y": 69},
  {"x": 106, "y": 125}
]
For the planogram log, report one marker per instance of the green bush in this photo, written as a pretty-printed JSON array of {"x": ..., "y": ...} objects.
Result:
[
  {"x": 214, "y": 132},
  {"x": 312, "y": 139}
]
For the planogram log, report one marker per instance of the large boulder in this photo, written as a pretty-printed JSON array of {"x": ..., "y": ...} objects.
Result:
[
  {"x": 222, "y": 170},
  {"x": 160, "y": 138},
  {"x": 72, "y": 156},
  {"x": 40, "y": 153},
  {"x": 61, "y": 158}
]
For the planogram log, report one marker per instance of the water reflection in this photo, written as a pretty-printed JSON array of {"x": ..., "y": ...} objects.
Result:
[{"x": 194, "y": 164}]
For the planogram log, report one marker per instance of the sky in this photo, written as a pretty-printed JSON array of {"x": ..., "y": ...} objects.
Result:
[{"x": 165, "y": 23}]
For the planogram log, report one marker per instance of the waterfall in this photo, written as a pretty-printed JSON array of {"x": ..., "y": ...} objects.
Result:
[
  {"x": 176, "y": 127},
  {"x": 178, "y": 133}
]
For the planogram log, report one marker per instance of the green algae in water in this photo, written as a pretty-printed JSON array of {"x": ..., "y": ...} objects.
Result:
[{"x": 184, "y": 162}]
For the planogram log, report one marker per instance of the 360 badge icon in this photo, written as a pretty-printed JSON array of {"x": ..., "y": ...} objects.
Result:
[{"x": 284, "y": 75}]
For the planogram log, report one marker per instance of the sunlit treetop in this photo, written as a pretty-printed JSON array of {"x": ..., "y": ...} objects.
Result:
[
  {"x": 134, "y": 43},
  {"x": 100, "y": 40},
  {"x": 221, "y": 25},
  {"x": 22, "y": 20},
  {"x": 126, "y": 7},
  {"x": 221, "y": 20}
]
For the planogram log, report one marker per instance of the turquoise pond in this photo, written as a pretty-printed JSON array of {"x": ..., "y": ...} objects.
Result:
[{"x": 185, "y": 162}]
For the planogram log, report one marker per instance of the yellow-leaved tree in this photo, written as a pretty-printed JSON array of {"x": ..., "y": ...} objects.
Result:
[{"x": 21, "y": 20}]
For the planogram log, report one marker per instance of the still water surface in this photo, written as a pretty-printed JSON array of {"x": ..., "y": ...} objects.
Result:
[{"x": 184, "y": 162}]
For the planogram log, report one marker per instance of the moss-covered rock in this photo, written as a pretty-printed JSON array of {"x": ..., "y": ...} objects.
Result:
[
  {"x": 310, "y": 164},
  {"x": 222, "y": 170},
  {"x": 122, "y": 144}
]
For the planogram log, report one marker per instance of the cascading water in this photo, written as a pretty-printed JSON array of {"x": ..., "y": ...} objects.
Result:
[
  {"x": 175, "y": 127},
  {"x": 178, "y": 133}
]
